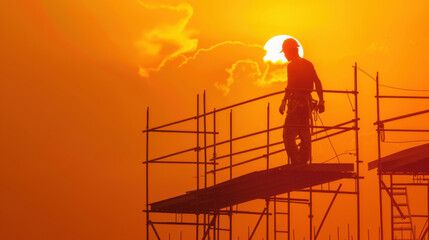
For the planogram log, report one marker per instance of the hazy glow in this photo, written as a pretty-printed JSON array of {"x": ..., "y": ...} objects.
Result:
[{"x": 274, "y": 48}]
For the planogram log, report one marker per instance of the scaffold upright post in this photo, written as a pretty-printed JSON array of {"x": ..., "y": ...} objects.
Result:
[
  {"x": 268, "y": 167},
  {"x": 214, "y": 166},
  {"x": 214, "y": 146},
  {"x": 147, "y": 173},
  {"x": 310, "y": 216},
  {"x": 230, "y": 170},
  {"x": 288, "y": 216},
  {"x": 357, "y": 151},
  {"x": 198, "y": 160},
  {"x": 380, "y": 176},
  {"x": 391, "y": 206},
  {"x": 205, "y": 150}
]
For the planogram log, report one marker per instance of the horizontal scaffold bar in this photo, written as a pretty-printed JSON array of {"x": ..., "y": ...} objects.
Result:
[
  {"x": 220, "y": 212},
  {"x": 182, "y": 162},
  {"x": 401, "y": 117},
  {"x": 404, "y": 130},
  {"x": 419, "y": 97},
  {"x": 183, "y": 131},
  {"x": 275, "y": 152},
  {"x": 238, "y": 104},
  {"x": 326, "y": 191}
]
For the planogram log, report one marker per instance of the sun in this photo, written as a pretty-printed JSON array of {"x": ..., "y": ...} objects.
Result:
[{"x": 274, "y": 48}]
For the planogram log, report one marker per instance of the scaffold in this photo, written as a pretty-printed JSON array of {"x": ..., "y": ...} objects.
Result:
[{"x": 211, "y": 203}]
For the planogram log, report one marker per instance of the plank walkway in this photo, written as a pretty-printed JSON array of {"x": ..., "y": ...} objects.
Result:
[
  {"x": 413, "y": 160},
  {"x": 255, "y": 185}
]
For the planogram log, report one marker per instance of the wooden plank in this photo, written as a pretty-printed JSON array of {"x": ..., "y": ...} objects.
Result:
[
  {"x": 261, "y": 184},
  {"x": 408, "y": 160}
]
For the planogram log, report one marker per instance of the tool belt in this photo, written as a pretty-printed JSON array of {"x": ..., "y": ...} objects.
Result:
[{"x": 299, "y": 101}]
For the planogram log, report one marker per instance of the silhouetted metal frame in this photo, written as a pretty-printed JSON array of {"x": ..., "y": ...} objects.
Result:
[
  {"x": 213, "y": 162},
  {"x": 380, "y": 128}
]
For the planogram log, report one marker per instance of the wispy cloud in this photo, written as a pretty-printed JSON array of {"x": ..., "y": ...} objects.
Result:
[
  {"x": 166, "y": 43},
  {"x": 194, "y": 56},
  {"x": 152, "y": 43}
]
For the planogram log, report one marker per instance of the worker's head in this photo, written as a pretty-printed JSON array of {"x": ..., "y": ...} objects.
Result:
[{"x": 290, "y": 49}]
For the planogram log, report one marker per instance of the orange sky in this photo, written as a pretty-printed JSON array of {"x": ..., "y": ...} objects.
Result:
[{"x": 77, "y": 76}]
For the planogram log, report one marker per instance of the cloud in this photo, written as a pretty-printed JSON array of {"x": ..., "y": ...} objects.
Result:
[
  {"x": 260, "y": 73},
  {"x": 263, "y": 76},
  {"x": 167, "y": 41},
  {"x": 194, "y": 56},
  {"x": 170, "y": 46},
  {"x": 254, "y": 73}
]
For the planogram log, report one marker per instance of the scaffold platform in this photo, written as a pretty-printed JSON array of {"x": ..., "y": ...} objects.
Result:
[
  {"x": 255, "y": 185},
  {"x": 413, "y": 160}
]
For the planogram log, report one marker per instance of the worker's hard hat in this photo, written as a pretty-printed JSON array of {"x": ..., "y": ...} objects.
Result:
[{"x": 289, "y": 43}]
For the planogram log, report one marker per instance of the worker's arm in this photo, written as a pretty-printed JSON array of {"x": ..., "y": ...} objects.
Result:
[
  {"x": 319, "y": 91},
  {"x": 283, "y": 104},
  {"x": 287, "y": 94}
]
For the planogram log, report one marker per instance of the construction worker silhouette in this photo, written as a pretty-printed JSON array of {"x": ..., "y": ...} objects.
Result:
[{"x": 301, "y": 79}]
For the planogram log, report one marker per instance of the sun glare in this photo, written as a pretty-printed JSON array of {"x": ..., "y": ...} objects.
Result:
[{"x": 274, "y": 48}]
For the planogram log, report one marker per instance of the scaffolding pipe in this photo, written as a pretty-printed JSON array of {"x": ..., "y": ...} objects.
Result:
[
  {"x": 275, "y": 217},
  {"x": 241, "y": 103},
  {"x": 230, "y": 170},
  {"x": 214, "y": 166},
  {"x": 391, "y": 205},
  {"x": 198, "y": 160},
  {"x": 205, "y": 150},
  {"x": 267, "y": 201},
  {"x": 257, "y": 224},
  {"x": 183, "y": 131},
  {"x": 147, "y": 174},
  {"x": 401, "y": 117},
  {"x": 410, "y": 97},
  {"x": 154, "y": 230},
  {"x": 380, "y": 177},
  {"x": 327, "y": 212},
  {"x": 208, "y": 228},
  {"x": 357, "y": 153}
]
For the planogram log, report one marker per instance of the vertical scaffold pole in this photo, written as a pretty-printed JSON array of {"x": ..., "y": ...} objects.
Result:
[
  {"x": 357, "y": 152},
  {"x": 288, "y": 210},
  {"x": 198, "y": 160},
  {"x": 205, "y": 150},
  {"x": 379, "y": 158},
  {"x": 391, "y": 205},
  {"x": 214, "y": 165},
  {"x": 147, "y": 173},
  {"x": 310, "y": 216},
  {"x": 205, "y": 140},
  {"x": 230, "y": 170},
  {"x": 288, "y": 216},
  {"x": 275, "y": 216},
  {"x": 214, "y": 146},
  {"x": 268, "y": 167},
  {"x": 311, "y": 213}
]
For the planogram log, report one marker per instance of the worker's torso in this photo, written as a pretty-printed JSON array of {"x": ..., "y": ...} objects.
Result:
[{"x": 301, "y": 75}]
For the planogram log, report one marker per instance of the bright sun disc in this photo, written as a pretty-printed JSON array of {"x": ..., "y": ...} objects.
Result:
[{"x": 274, "y": 48}]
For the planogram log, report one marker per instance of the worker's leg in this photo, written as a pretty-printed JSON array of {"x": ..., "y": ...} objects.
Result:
[
  {"x": 289, "y": 136},
  {"x": 304, "y": 135},
  {"x": 305, "y": 147}
]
